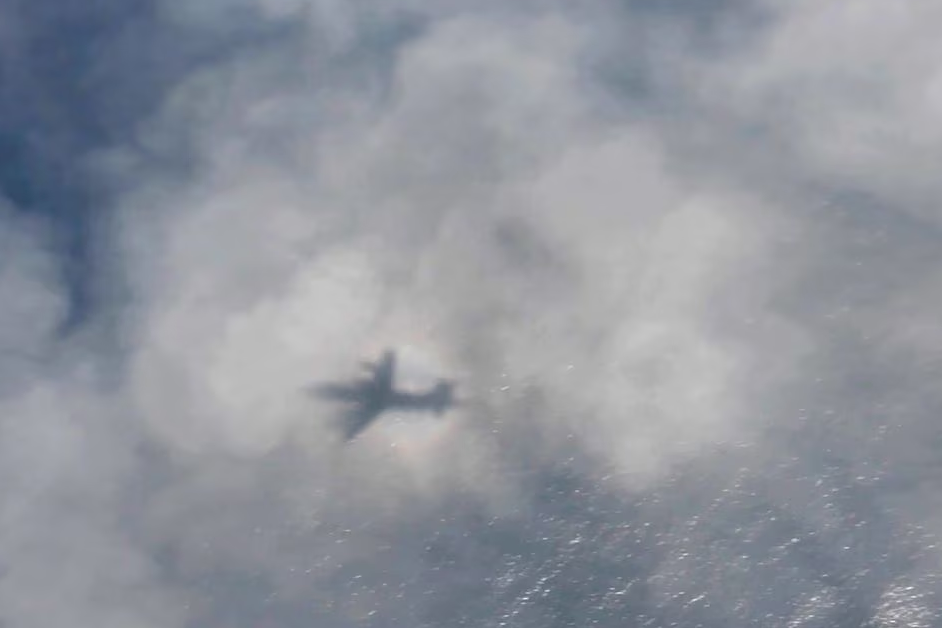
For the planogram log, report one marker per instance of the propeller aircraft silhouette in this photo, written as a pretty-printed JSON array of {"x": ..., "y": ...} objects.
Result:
[{"x": 371, "y": 397}]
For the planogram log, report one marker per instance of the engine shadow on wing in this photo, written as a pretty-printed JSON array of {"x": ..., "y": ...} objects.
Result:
[{"x": 368, "y": 398}]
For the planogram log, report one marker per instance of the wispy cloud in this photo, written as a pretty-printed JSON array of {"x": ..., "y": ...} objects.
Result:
[{"x": 680, "y": 265}]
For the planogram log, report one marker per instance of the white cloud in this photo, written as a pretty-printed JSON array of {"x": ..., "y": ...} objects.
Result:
[
  {"x": 615, "y": 302},
  {"x": 848, "y": 94}
]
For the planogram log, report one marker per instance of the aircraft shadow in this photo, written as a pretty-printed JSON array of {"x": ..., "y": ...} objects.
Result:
[{"x": 368, "y": 398}]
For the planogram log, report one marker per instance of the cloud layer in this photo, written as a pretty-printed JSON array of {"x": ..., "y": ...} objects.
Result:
[{"x": 681, "y": 265}]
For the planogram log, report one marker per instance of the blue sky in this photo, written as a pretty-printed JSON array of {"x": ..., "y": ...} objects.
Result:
[{"x": 682, "y": 264}]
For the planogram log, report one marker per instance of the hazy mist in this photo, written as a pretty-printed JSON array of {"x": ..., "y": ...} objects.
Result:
[{"x": 682, "y": 262}]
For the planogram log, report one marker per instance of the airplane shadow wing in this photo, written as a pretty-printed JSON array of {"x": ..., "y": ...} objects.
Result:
[
  {"x": 358, "y": 419},
  {"x": 338, "y": 392}
]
